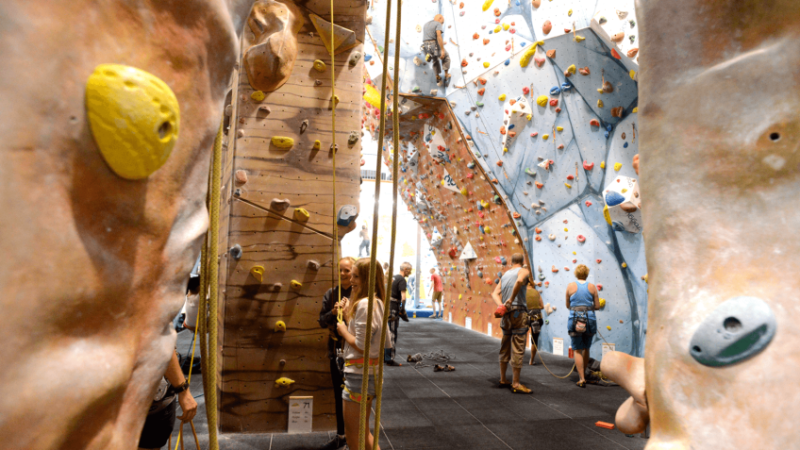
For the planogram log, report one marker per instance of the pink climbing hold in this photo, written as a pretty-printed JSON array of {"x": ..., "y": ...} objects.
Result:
[
  {"x": 588, "y": 165},
  {"x": 600, "y": 288},
  {"x": 599, "y": 261},
  {"x": 581, "y": 238},
  {"x": 588, "y": 203},
  {"x": 526, "y": 90},
  {"x": 539, "y": 61},
  {"x": 534, "y": 134}
]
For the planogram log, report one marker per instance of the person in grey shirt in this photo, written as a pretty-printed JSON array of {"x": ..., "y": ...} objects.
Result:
[{"x": 433, "y": 48}]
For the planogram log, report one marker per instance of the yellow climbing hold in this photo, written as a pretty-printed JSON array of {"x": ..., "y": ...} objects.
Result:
[
  {"x": 258, "y": 96},
  {"x": 257, "y": 272},
  {"x": 282, "y": 141},
  {"x": 486, "y": 64},
  {"x": 541, "y": 100},
  {"x": 600, "y": 103},
  {"x": 636, "y": 110},
  {"x": 334, "y": 100},
  {"x": 463, "y": 191},
  {"x": 609, "y": 327},
  {"x": 623, "y": 191},
  {"x": 487, "y": 229},
  {"x": 607, "y": 214},
  {"x": 530, "y": 116},
  {"x": 572, "y": 69},
  {"x": 283, "y": 382},
  {"x": 459, "y": 296},
  {"x": 566, "y": 229},
  {"x": 602, "y": 303},
  {"x": 632, "y": 74},
  {"x": 502, "y": 97},
  {"x": 506, "y": 26},
  {"x": 317, "y": 144},
  {"x": 569, "y": 186},
  {"x": 569, "y": 13},
  {"x": 497, "y": 29},
  {"x": 617, "y": 166},
  {"x": 487, "y": 4},
  {"x": 134, "y": 118},
  {"x": 545, "y": 136},
  {"x": 559, "y": 128},
  {"x": 280, "y": 326},
  {"x": 579, "y": 38},
  {"x": 624, "y": 265},
  {"x": 527, "y": 55},
  {"x": 602, "y": 164},
  {"x": 574, "y": 253},
  {"x": 301, "y": 214},
  {"x": 296, "y": 284},
  {"x": 372, "y": 96},
  {"x": 505, "y": 150},
  {"x": 319, "y": 66}
]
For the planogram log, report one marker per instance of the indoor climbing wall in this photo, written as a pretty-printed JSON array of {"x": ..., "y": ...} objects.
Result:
[
  {"x": 548, "y": 92},
  {"x": 456, "y": 203},
  {"x": 277, "y": 230}
]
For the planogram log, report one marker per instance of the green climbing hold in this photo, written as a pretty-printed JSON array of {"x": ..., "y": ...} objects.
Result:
[
  {"x": 415, "y": 89},
  {"x": 479, "y": 103}
]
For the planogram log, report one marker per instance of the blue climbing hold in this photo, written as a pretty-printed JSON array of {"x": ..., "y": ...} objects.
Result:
[
  {"x": 609, "y": 127},
  {"x": 511, "y": 127},
  {"x": 555, "y": 90},
  {"x": 606, "y": 134},
  {"x": 471, "y": 165},
  {"x": 367, "y": 57},
  {"x": 503, "y": 261},
  {"x": 497, "y": 281},
  {"x": 566, "y": 86},
  {"x": 482, "y": 231},
  {"x": 614, "y": 198},
  {"x": 625, "y": 145},
  {"x": 522, "y": 44},
  {"x": 508, "y": 61},
  {"x": 500, "y": 274},
  {"x": 490, "y": 31},
  {"x": 480, "y": 274}
]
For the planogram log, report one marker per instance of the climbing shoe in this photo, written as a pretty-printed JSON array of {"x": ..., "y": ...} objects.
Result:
[
  {"x": 392, "y": 362},
  {"x": 438, "y": 368}
]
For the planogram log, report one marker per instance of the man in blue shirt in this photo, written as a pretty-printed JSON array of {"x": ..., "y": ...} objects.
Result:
[{"x": 433, "y": 47}]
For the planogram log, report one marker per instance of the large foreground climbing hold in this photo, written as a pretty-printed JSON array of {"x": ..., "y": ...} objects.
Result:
[
  {"x": 282, "y": 142},
  {"x": 301, "y": 215},
  {"x": 134, "y": 118},
  {"x": 487, "y": 4},
  {"x": 735, "y": 330},
  {"x": 271, "y": 49},
  {"x": 343, "y": 39},
  {"x": 280, "y": 326},
  {"x": 258, "y": 273},
  {"x": 283, "y": 382}
]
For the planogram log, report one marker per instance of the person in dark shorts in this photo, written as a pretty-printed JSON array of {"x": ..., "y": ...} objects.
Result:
[
  {"x": 433, "y": 48},
  {"x": 535, "y": 307},
  {"x": 397, "y": 311},
  {"x": 161, "y": 416},
  {"x": 328, "y": 319}
]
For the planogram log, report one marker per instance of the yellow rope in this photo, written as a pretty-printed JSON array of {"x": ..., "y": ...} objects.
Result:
[
  {"x": 395, "y": 169},
  {"x": 335, "y": 257},
  {"x": 545, "y": 365},
  {"x": 362, "y": 432},
  {"x": 191, "y": 365}
]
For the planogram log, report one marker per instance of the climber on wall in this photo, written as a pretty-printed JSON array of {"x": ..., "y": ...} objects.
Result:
[{"x": 433, "y": 48}]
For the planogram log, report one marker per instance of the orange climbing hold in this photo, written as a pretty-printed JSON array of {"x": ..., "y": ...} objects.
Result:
[
  {"x": 481, "y": 91},
  {"x": 606, "y": 425},
  {"x": 464, "y": 63},
  {"x": 500, "y": 163},
  {"x": 482, "y": 80},
  {"x": 551, "y": 53},
  {"x": 546, "y": 27}
]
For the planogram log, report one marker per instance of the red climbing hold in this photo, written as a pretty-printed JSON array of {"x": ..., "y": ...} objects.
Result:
[
  {"x": 553, "y": 102},
  {"x": 599, "y": 261},
  {"x": 554, "y": 269},
  {"x": 538, "y": 230},
  {"x": 588, "y": 203},
  {"x": 485, "y": 41},
  {"x": 581, "y": 239},
  {"x": 526, "y": 90},
  {"x": 558, "y": 110},
  {"x": 584, "y": 71},
  {"x": 551, "y": 53},
  {"x": 588, "y": 165},
  {"x": 594, "y": 123},
  {"x": 502, "y": 130},
  {"x": 538, "y": 238},
  {"x": 500, "y": 163},
  {"x": 570, "y": 177},
  {"x": 516, "y": 215},
  {"x": 615, "y": 54}
]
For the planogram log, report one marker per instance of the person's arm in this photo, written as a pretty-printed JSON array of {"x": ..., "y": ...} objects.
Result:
[
  {"x": 360, "y": 326},
  {"x": 496, "y": 295},
  {"x": 403, "y": 287},
  {"x": 441, "y": 42},
  {"x": 522, "y": 281},
  {"x": 596, "y": 296},
  {"x": 568, "y": 286},
  {"x": 327, "y": 315},
  {"x": 192, "y": 307},
  {"x": 175, "y": 377}
]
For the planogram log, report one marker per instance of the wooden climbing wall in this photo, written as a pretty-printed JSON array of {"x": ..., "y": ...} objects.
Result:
[
  {"x": 253, "y": 353},
  {"x": 471, "y": 212}
]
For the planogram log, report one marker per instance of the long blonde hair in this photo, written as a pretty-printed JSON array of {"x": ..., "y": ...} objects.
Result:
[{"x": 361, "y": 267}]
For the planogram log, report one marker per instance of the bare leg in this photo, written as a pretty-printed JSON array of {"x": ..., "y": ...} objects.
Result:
[
  {"x": 580, "y": 362},
  {"x": 516, "y": 371},
  {"x": 503, "y": 368},
  {"x": 352, "y": 421}
]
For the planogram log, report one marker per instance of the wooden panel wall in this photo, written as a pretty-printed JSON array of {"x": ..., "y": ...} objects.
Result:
[
  {"x": 465, "y": 296},
  {"x": 254, "y": 355}
]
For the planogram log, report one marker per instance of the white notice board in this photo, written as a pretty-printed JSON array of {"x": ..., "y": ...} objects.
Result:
[
  {"x": 301, "y": 413},
  {"x": 489, "y": 325},
  {"x": 468, "y": 323},
  {"x": 558, "y": 346}
]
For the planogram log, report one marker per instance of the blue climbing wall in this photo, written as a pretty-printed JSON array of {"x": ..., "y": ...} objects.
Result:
[{"x": 583, "y": 132}]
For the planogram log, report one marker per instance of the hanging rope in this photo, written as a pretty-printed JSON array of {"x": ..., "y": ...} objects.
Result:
[
  {"x": 335, "y": 257},
  {"x": 395, "y": 166},
  {"x": 362, "y": 432}
]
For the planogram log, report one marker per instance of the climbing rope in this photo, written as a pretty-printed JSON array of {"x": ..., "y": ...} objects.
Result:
[
  {"x": 395, "y": 169},
  {"x": 545, "y": 365},
  {"x": 335, "y": 256},
  {"x": 374, "y": 250},
  {"x": 189, "y": 380},
  {"x": 209, "y": 282}
]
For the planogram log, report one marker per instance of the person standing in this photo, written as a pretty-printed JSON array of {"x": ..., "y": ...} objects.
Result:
[
  {"x": 397, "y": 311},
  {"x": 328, "y": 319},
  {"x": 510, "y": 293},
  {"x": 364, "y": 234},
  {"x": 582, "y": 301},
  {"x": 534, "y": 302},
  {"x": 438, "y": 292},
  {"x": 354, "y": 334},
  {"x": 433, "y": 48},
  {"x": 412, "y": 284}
]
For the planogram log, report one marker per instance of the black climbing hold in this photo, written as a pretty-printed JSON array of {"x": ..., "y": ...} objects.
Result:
[
  {"x": 736, "y": 330},
  {"x": 236, "y": 251}
]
